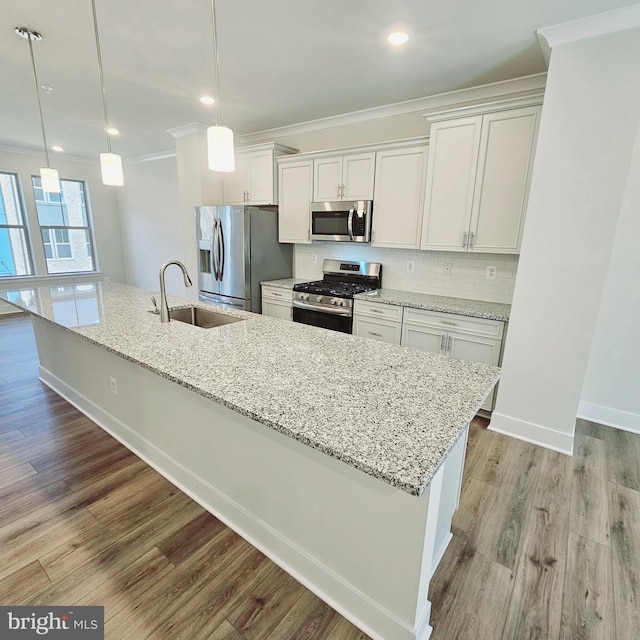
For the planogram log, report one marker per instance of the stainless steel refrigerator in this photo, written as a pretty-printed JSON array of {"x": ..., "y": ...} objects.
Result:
[{"x": 237, "y": 249}]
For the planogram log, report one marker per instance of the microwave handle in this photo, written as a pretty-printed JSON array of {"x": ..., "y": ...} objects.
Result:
[{"x": 350, "y": 222}]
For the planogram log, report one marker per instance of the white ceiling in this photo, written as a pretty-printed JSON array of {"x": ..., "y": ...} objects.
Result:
[{"x": 282, "y": 62}]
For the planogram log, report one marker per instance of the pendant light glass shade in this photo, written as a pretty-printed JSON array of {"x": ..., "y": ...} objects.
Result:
[
  {"x": 110, "y": 163},
  {"x": 220, "y": 149},
  {"x": 220, "y": 152},
  {"x": 50, "y": 180},
  {"x": 111, "y": 167}
]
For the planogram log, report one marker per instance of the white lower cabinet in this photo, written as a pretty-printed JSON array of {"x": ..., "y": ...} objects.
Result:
[
  {"x": 277, "y": 302},
  {"x": 382, "y": 322},
  {"x": 474, "y": 339}
]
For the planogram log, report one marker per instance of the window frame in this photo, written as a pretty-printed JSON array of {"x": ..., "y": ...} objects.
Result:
[
  {"x": 88, "y": 228},
  {"x": 24, "y": 227}
]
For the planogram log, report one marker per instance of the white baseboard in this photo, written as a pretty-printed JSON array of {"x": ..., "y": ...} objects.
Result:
[
  {"x": 610, "y": 417},
  {"x": 533, "y": 433},
  {"x": 294, "y": 560}
]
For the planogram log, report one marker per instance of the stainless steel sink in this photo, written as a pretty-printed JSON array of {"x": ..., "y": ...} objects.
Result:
[{"x": 199, "y": 317}]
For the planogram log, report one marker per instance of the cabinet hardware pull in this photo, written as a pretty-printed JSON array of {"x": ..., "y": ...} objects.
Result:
[
  {"x": 376, "y": 311},
  {"x": 373, "y": 333},
  {"x": 444, "y": 335},
  {"x": 449, "y": 344},
  {"x": 449, "y": 322},
  {"x": 464, "y": 239},
  {"x": 472, "y": 240}
]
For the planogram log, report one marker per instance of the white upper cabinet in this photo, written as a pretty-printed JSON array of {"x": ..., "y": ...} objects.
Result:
[
  {"x": 347, "y": 177},
  {"x": 398, "y": 197},
  {"x": 296, "y": 189},
  {"x": 254, "y": 179},
  {"x": 478, "y": 179}
]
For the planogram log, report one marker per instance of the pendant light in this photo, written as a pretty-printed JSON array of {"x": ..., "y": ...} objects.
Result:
[
  {"x": 49, "y": 178},
  {"x": 220, "y": 151},
  {"x": 110, "y": 163}
]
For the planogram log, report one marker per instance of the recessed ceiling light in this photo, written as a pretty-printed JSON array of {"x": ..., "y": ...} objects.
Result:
[
  {"x": 46, "y": 88},
  {"x": 397, "y": 38},
  {"x": 112, "y": 131},
  {"x": 58, "y": 148},
  {"x": 207, "y": 100}
]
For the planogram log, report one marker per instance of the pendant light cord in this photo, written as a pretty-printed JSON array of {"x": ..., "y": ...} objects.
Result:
[
  {"x": 104, "y": 92},
  {"x": 215, "y": 57},
  {"x": 35, "y": 79}
]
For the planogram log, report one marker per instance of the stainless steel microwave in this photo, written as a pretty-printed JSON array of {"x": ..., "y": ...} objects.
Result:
[{"x": 341, "y": 221}]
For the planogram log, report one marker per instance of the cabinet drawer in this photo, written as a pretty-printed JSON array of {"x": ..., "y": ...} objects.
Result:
[
  {"x": 275, "y": 293},
  {"x": 453, "y": 322},
  {"x": 378, "y": 310},
  {"x": 377, "y": 330}
]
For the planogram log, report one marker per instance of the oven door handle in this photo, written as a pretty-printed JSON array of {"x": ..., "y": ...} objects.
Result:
[
  {"x": 350, "y": 222},
  {"x": 312, "y": 306}
]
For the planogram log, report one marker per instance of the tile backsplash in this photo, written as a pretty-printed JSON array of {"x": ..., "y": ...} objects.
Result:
[{"x": 466, "y": 277}]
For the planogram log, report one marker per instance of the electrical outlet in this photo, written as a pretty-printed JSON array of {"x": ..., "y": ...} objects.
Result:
[
  {"x": 411, "y": 266},
  {"x": 447, "y": 268},
  {"x": 490, "y": 274},
  {"x": 314, "y": 258},
  {"x": 114, "y": 385}
]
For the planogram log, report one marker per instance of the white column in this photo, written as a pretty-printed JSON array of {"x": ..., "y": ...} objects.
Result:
[{"x": 590, "y": 117}]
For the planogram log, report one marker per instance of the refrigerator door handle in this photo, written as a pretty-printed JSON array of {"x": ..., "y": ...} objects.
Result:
[
  {"x": 221, "y": 240},
  {"x": 214, "y": 267},
  {"x": 214, "y": 253}
]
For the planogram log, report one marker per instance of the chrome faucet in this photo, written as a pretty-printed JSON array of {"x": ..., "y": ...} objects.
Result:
[{"x": 164, "y": 307}]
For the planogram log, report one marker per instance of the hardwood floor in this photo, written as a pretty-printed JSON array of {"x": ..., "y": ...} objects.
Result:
[{"x": 545, "y": 546}]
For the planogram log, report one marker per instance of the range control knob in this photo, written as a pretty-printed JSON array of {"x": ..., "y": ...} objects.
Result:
[
  {"x": 319, "y": 299},
  {"x": 304, "y": 296}
]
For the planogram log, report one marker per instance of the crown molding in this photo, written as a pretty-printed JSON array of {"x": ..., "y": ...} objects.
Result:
[
  {"x": 151, "y": 157},
  {"x": 493, "y": 91},
  {"x": 593, "y": 26},
  {"x": 533, "y": 100},
  {"x": 188, "y": 129}
]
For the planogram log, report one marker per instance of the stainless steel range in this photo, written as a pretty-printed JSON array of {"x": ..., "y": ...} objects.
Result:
[{"x": 328, "y": 303}]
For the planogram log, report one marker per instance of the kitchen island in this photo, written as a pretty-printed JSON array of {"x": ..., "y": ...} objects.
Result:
[{"x": 339, "y": 458}]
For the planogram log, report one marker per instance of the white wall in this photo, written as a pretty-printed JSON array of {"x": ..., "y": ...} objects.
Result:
[
  {"x": 468, "y": 270},
  {"x": 151, "y": 223},
  {"x": 104, "y": 210},
  {"x": 611, "y": 392},
  {"x": 589, "y": 121}
]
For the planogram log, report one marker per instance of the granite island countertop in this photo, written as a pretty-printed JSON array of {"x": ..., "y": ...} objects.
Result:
[{"x": 390, "y": 412}]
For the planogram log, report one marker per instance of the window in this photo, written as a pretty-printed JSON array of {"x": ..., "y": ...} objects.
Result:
[
  {"x": 64, "y": 225},
  {"x": 15, "y": 259}
]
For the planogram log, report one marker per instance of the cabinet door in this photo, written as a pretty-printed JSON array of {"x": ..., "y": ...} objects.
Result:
[
  {"x": 398, "y": 197},
  {"x": 505, "y": 162},
  {"x": 327, "y": 179},
  {"x": 295, "y": 179},
  {"x": 276, "y": 309},
  {"x": 358, "y": 171},
  {"x": 377, "y": 330},
  {"x": 451, "y": 172},
  {"x": 476, "y": 349},
  {"x": 260, "y": 178},
  {"x": 234, "y": 183},
  {"x": 423, "y": 338}
]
